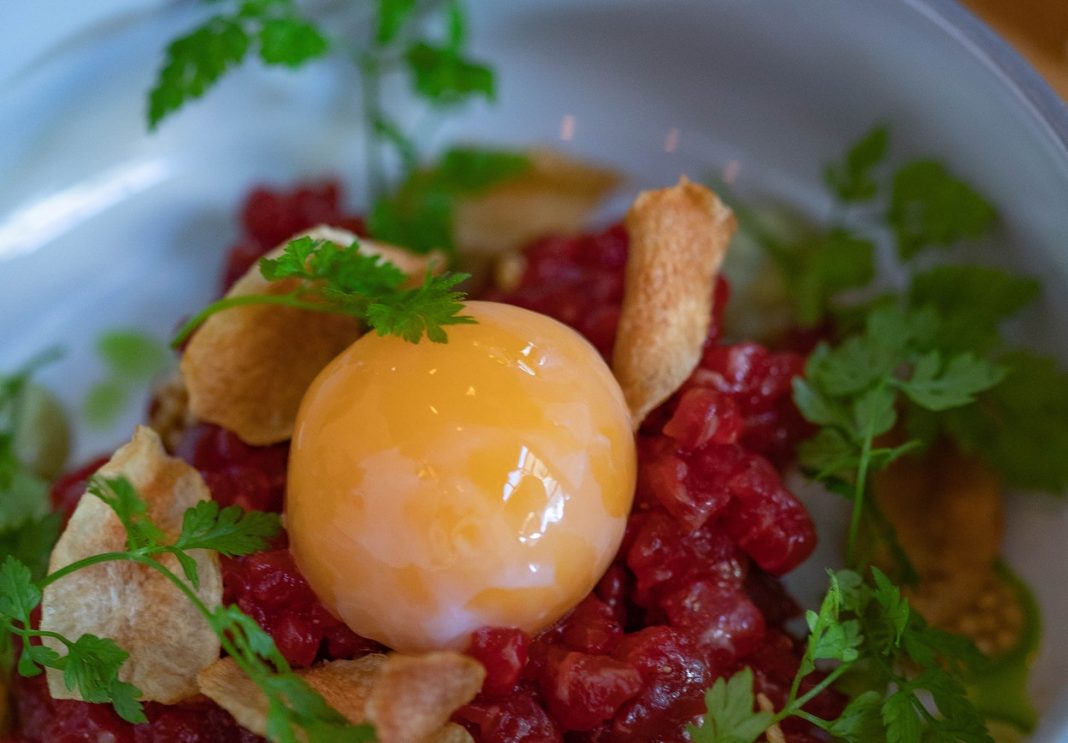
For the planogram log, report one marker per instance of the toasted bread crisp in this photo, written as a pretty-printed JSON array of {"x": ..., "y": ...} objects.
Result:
[
  {"x": 678, "y": 238},
  {"x": 247, "y": 368},
  {"x": 948, "y": 517},
  {"x": 408, "y": 699},
  {"x": 168, "y": 640},
  {"x": 555, "y": 196}
]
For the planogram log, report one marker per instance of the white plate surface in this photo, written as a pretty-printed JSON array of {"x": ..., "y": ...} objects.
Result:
[{"x": 103, "y": 225}]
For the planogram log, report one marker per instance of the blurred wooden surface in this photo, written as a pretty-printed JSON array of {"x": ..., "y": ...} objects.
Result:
[{"x": 1037, "y": 28}]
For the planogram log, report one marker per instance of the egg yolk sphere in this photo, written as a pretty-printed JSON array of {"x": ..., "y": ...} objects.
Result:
[{"x": 436, "y": 488}]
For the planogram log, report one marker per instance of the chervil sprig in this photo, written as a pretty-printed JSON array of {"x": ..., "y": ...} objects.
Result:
[
  {"x": 196, "y": 61},
  {"x": 91, "y": 664},
  {"x": 27, "y": 530},
  {"x": 868, "y": 630},
  {"x": 347, "y": 282},
  {"x": 853, "y": 391},
  {"x": 440, "y": 70}
]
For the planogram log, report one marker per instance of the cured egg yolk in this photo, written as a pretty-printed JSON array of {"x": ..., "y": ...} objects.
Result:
[{"x": 438, "y": 488}]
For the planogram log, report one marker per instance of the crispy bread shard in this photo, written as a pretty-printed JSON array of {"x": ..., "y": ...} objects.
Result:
[
  {"x": 247, "y": 368},
  {"x": 555, "y": 196},
  {"x": 678, "y": 238},
  {"x": 947, "y": 513},
  {"x": 408, "y": 699},
  {"x": 168, "y": 640}
]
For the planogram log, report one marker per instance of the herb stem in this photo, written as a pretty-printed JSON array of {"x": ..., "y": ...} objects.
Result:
[
  {"x": 794, "y": 707},
  {"x": 860, "y": 489},
  {"x": 287, "y": 300},
  {"x": 370, "y": 70},
  {"x": 77, "y": 565}
]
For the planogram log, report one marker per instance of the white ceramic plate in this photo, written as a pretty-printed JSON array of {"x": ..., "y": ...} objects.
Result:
[{"x": 103, "y": 225}]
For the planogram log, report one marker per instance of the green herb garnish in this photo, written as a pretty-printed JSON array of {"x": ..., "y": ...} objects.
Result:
[
  {"x": 853, "y": 391},
  {"x": 419, "y": 215},
  {"x": 868, "y": 631},
  {"x": 347, "y": 282},
  {"x": 132, "y": 359},
  {"x": 196, "y": 61},
  {"x": 91, "y": 664},
  {"x": 27, "y": 530},
  {"x": 417, "y": 211}
]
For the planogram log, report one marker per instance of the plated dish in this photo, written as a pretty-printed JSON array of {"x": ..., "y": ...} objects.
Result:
[{"x": 783, "y": 428}]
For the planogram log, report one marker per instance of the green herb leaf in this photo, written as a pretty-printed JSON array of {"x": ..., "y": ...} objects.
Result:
[
  {"x": 290, "y": 42},
  {"x": 971, "y": 303},
  {"x": 19, "y": 595},
  {"x": 364, "y": 286},
  {"x": 839, "y": 261},
  {"x": 931, "y": 208},
  {"x": 392, "y": 15},
  {"x": 861, "y": 720},
  {"x": 194, "y": 63},
  {"x": 424, "y": 310},
  {"x": 104, "y": 402},
  {"x": 731, "y": 718},
  {"x": 937, "y": 388},
  {"x": 231, "y": 531},
  {"x": 91, "y": 666},
  {"x": 445, "y": 78},
  {"x": 901, "y": 718},
  {"x": 828, "y": 453},
  {"x": 123, "y": 498},
  {"x": 851, "y": 179},
  {"x": 1018, "y": 427},
  {"x": 30, "y": 542},
  {"x": 132, "y": 354},
  {"x": 419, "y": 215}
]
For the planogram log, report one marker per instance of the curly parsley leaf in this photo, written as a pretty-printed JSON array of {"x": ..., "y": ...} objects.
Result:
[
  {"x": 392, "y": 15},
  {"x": 851, "y": 179},
  {"x": 1018, "y": 427},
  {"x": 230, "y": 531},
  {"x": 290, "y": 42},
  {"x": 364, "y": 286},
  {"x": 861, "y": 721},
  {"x": 937, "y": 386},
  {"x": 91, "y": 664},
  {"x": 122, "y": 497},
  {"x": 424, "y": 310},
  {"x": 853, "y": 391},
  {"x": 929, "y": 207},
  {"x": 195, "y": 62},
  {"x": 31, "y": 541},
  {"x": 821, "y": 270},
  {"x": 870, "y": 630},
  {"x": 445, "y": 78},
  {"x": 23, "y": 490},
  {"x": 132, "y": 359},
  {"x": 19, "y": 595},
  {"x": 731, "y": 718},
  {"x": 971, "y": 303}
]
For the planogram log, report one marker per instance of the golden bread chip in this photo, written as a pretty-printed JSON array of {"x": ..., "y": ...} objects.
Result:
[
  {"x": 168, "y": 640},
  {"x": 554, "y": 196},
  {"x": 169, "y": 415},
  {"x": 678, "y": 238},
  {"x": 414, "y": 695},
  {"x": 247, "y": 368},
  {"x": 344, "y": 684},
  {"x": 408, "y": 699},
  {"x": 948, "y": 517}
]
